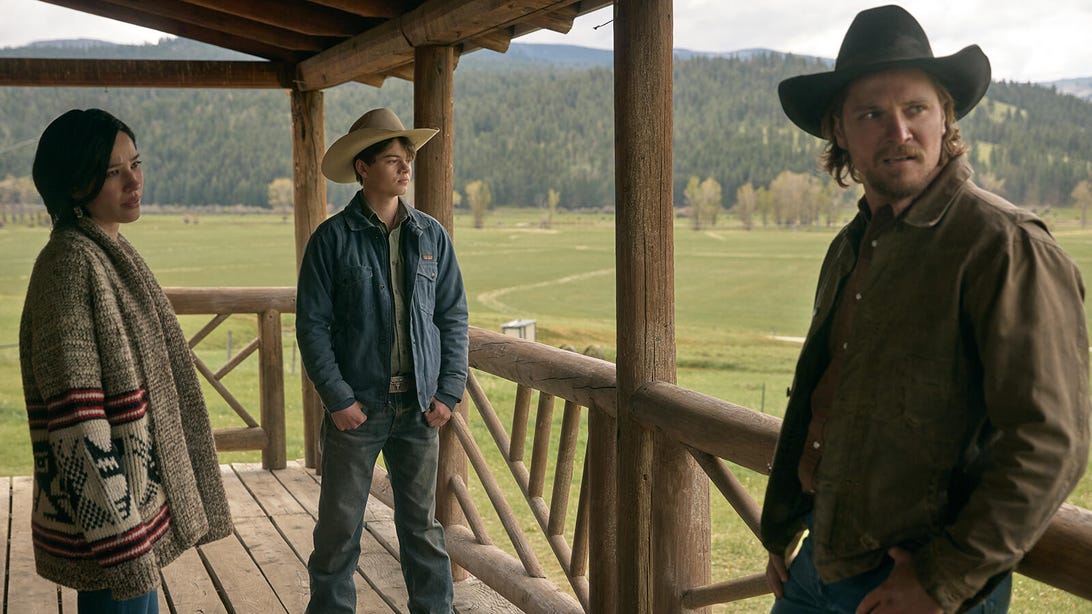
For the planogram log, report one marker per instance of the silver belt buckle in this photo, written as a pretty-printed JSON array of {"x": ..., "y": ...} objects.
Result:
[{"x": 400, "y": 383}]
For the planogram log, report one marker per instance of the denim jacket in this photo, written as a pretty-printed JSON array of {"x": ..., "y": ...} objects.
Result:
[
  {"x": 345, "y": 313},
  {"x": 961, "y": 420}
]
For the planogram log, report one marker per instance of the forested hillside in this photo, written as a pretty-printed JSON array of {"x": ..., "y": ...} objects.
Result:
[{"x": 526, "y": 126}]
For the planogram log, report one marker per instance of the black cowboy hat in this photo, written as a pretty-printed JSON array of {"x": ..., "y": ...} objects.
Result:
[{"x": 884, "y": 38}]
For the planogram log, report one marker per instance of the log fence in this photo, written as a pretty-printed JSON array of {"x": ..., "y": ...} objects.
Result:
[
  {"x": 711, "y": 430},
  {"x": 268, "y": 432}
]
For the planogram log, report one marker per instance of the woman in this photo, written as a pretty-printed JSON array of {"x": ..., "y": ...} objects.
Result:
[{"x": 125, "y": 471}]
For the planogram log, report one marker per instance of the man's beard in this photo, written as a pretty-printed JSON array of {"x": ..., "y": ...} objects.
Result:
[{"x": 902, "y": 185}]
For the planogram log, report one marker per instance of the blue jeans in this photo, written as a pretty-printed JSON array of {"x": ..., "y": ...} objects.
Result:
[
  {"x": 102, "y": 602},
  {"x": 805, "y": 593},
  {"x": 411, "y": 450}
]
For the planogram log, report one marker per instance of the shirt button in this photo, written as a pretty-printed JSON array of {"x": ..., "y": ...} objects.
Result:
[
  {"x": 858, "y": 297},
  {"x": 815, "y": 445},
  {"x": 875, "y": 243},
  {"x": 845, "y": 345}
]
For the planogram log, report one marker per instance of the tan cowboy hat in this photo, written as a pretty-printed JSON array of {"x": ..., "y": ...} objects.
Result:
[
  {"x": 884, "y": 38},
  {"x": 372, "y": 127}
]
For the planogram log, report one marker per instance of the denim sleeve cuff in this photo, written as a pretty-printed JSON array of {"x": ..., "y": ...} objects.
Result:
[
  {"x": 447, "y": 399},
  {"x": 337, "y": 396}
]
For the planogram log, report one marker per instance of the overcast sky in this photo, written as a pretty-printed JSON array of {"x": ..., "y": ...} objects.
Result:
[{"x": 1022, "y": 45}]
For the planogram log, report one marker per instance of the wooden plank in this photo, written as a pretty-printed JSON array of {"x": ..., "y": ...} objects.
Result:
[
  {"x": 382, "y": 570},
  {"x": 278, "y": 562},
  {"x": 302, "y": 483},
  {"x": 237, "y": 577},
  {"x": 69, "y": 600},
  {"x": 36, "y": 595},
  {"x": 240, "y": 500},
  {"x": 297, "y": 530},
  {"x": 267, "y": 490},
  {"x": 188, "y": 587},
  {"x": 471, "y": 594}
]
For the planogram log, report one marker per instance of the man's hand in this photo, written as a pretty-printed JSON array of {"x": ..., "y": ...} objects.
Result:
[
  {"x": 901, "y": 592},
  {"x": 349, "y": 418},
  {"x": 438, "y": 414},
  {"x": 777, "y": 575}
]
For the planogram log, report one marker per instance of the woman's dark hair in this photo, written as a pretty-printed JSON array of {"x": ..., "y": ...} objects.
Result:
[
  {"x": 72, "y": 158},
  {"x": 369, "y": 153}
]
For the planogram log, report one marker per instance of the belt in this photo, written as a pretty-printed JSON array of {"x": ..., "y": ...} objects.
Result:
[{"x": 401, "y": 383}]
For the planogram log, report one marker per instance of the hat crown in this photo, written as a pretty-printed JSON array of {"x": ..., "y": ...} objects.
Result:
[
  {"x": 378, "y": 119},
  {"x": 883, "y": 34}
]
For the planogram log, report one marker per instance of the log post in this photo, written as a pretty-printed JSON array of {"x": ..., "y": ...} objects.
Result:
[
  {"x": 434, "y": 107},
  {"x": 308, "y": 145},
  {"x": 661, "y": 552},
  {"x": 271, "y": 382}
]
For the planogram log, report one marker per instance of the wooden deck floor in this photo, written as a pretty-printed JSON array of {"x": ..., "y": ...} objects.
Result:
[{"x": 259, "y": 570}]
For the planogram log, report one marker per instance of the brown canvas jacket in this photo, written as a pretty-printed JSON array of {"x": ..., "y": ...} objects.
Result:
[{"x": 961, "y": 422}]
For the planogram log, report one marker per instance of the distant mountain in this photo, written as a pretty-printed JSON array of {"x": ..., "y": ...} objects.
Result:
[
  {"x": 537, "y": 118},
  {"x": 1081, "y": 88}
]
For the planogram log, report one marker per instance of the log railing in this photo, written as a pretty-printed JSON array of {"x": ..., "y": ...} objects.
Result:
[
  {"x": 713, "y": 430},
  {"x": 267, "y": 433}
]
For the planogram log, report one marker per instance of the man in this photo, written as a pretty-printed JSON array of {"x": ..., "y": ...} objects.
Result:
[
  {"x": 382, "y": 328},
  {"x": 939, "y": 411}
]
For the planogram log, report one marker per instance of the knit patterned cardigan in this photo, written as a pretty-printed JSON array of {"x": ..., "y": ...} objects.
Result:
[{"x": 125, "y": 470}]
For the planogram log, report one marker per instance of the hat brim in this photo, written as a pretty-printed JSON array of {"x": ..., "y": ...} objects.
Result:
[
  {"x": 966, "y": 76},
  {"x": 337, "y": 164}
]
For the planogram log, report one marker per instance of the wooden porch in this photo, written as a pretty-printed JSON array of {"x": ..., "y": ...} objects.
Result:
[{"x": 260, "y": 569}]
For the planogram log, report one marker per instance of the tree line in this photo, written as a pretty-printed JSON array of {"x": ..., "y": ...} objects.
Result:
[{"x": 537, "y": 127}]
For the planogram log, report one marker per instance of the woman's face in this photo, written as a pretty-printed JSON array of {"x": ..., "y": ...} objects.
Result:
[{"x": 119, "y": 200}]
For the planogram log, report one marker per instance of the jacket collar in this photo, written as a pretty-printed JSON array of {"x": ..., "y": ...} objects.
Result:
[
  {"x": 359, "y": 217},
  {"x": 935, "y": 201}
]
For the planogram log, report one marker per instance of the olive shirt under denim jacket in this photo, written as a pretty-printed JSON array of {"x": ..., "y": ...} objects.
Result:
[
  {"x": 345, "y": 313},
  {"x": 961, "y": 421}
]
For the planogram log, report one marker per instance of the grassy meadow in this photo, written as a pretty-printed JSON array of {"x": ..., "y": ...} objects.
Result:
[{"x": 735, "y": 292}]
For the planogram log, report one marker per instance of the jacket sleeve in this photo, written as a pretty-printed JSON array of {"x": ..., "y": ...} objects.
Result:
[
  {"x": 451, "y": 319},
  {"x": 1025, "y": 307},
  {"x": 315, "y": 320},
  {"x": 78, "y": 467}
]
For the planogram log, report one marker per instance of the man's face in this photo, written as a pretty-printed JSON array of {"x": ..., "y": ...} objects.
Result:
[
  {"x": 892, "y": 125},
  {"x": 389, "y": 175}
]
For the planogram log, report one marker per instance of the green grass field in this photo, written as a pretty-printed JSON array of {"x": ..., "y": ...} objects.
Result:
[{"x": 735, "y": 291}]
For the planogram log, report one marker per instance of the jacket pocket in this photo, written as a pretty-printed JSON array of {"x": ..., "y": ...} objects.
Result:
[
  {"x": 424, "y": 287},
  {"x": 353, "y": 287}
]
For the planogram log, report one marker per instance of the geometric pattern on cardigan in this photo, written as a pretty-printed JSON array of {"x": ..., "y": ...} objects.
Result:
[{"x": 117, "y": 459}]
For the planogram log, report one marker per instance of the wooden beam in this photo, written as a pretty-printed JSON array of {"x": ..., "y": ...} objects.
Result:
[
  {"x": 309, "y": 198},
  {"x": 740, "y": 435},
  {"x": 436, "y": 22},
  {"x": 374, "y": 52},
  {"x": 1063, "y": 555},
  {"x": 300, "y": 17},
  {"x": 560, "y": 20},
  {"x": 583, "y": 379},
  {"x": 229, "y": 299},
  {"x": 49, "y": 72},
  {"x": 497, "y": 40},
  {"x": 662, "y": 549},
  {"x": 405, "y": 72},
  {"x": 384, "y": 9},
  {"x": 182, "y": 29},
  {"x": 434, "y": 107}
]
